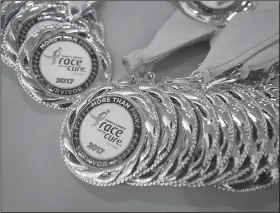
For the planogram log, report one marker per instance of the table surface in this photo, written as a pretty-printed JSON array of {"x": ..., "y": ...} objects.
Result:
[{"x": 34, "y": 177}]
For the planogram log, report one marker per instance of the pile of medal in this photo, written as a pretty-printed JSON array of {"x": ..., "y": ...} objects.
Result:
[{"x": 176, "y": 132}]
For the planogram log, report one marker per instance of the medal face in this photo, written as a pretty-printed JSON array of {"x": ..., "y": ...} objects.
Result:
[
  {"x": 49, "y": 69},
  {"x": 216, "y": 13},
  {"x": 106, "y": 131},
  {"x": 62, "y": 71}
]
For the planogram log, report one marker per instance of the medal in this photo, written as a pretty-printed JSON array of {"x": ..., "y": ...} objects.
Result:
[
  {"x": 55, "y": 75},
  {"x": 216, "y": 13},
  {"x": 110, "y": 136},
  {"x": 31, "y": 19}
]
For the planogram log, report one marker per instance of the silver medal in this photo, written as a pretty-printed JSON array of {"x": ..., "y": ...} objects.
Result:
[
  {"x": 55, "y": 75},
  {"x": 34, "y": 18},
  {"x": 110, "y": 136}
]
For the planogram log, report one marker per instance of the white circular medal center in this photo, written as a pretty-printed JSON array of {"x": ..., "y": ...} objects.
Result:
[
  {"x": 106, "y": 131},
  {"x": 217, "y": 4},
  {"x": 40, "y": 25},
  {"x": 65, "y": 64}
]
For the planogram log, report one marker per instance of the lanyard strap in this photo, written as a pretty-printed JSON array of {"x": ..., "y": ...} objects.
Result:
[
  {"x": 250, "y": 38},
  {"x": 179, "y": 31}
]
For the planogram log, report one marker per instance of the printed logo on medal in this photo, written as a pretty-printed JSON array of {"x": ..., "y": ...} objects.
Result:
[
  {"x": 100, "y": 117},
  {"x": 55, "y": 55},
  {"x": 107, "y": 131},
  {"x": 62, "y": 71}
]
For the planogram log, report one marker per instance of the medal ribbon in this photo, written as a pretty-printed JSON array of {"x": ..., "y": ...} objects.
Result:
[{"x": 251, "y": 38}]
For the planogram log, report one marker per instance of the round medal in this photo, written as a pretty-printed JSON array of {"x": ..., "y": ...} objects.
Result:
[
  {"x": 55, "y": 75},
  {"x": 112, "y": 135},
  {"x": 32, "y": 19}
]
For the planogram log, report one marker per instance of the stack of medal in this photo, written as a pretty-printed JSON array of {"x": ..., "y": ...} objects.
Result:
[
  {"x": 176, "y": 132},
  {"x": 58, "y": 55}
]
